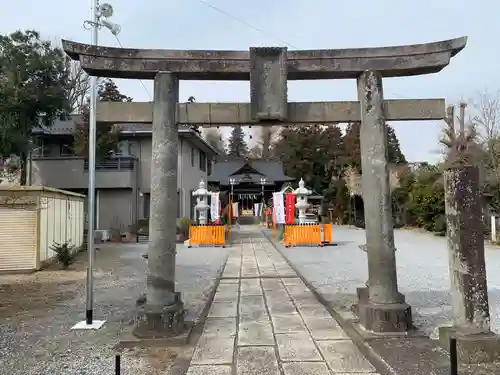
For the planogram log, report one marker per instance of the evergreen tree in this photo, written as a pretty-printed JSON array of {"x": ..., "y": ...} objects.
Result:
[
  {"x": 395, "y": 155},
  {"x": 311, "y": 152},
  {"x": 352, "y": 145},
  {"x": 106, "y": 135},
  {"x": 33, "y": 91},
  {"x": 237, "y": 146}
]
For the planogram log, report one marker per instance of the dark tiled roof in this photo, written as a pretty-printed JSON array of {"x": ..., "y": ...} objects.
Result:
[{"x": 225, "y": 167}]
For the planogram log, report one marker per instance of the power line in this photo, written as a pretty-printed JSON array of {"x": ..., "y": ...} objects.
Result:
[
  {"x": 245, "y": 23},
  {"x": 142, "y": 83}
]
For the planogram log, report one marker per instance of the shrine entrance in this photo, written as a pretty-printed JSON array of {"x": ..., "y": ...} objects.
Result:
[{"x": 268, "y": 69}]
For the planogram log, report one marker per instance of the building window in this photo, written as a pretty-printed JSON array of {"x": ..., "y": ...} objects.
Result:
[
  {"x": 124, "y": 148},
  {"x": 146, "y": 201},
  {"x": 203, "y": 161},
  {"x": 41, "y": 148},
  {"x": 192, "y": 156},
  {"x": 66, "y": 150},
  {"x": 192, "y": 203},
  {"x": 178, "y": 203},
  {"x": 209, "y": 168}
]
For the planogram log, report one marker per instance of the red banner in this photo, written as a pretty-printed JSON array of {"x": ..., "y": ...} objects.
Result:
[{"x": 289, "y": 208}]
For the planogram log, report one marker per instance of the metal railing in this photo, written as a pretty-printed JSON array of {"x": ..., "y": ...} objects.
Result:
[{"x": 125, "y": 164}]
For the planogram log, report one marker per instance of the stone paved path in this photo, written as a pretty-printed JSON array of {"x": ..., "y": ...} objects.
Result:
[{"x": 264, "y": 320}]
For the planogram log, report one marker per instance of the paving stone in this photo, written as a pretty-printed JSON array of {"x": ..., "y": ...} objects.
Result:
[
  {"x": 255, "y": 333},
  {"x": 286, "y": 272},
  {"x": 272, "y": 285},
  {"x": 325, "y": 329},
  {"x": 281, "y": 308},
  {"x": 288, "y": 323},
  {"x": 298, "y": 290},
  {"x": 277, "y": 295},
  {"x": 251, "y": 287},
  {"x": 252, "y": 308},
  {"x": 297, "y": 347},
  {"x": 293, "y": 281},
  {"x": 259, "y": 315},
  {"x": 344, "y": 356},
  {"x": 226, "y": 292},
  {"x": 306, "y": 368},
  {"x": 268, "y": 273},
  {"x": 316, "y": 310},
  {"x": 257, "y": 360},
  {"x": 223, "y": 309},
  {"x": 231, "y": 272},
  {"x": 229, "y": 281},
  {"x": 222, "y": 327},
  {"x": 209, "y": 370},
  {"x": 213, "y": 351}
]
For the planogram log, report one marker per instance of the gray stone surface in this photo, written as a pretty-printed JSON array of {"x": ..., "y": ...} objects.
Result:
[
  {"x": 223, "y": 309},
  {"x": 228, "y": 114},
  {"x": 268, "y": 83},
  {"x": 375, "y": 183},
  {"x": 213, "y": 351},
  {"x": 288, "y": 323},
  {"x": 257, "y": 361},
  {"x": 255, "y": 333},
  {"x": 210, "y": 370},
  {"x": 343, "y": 356},
  {"x": 46, "y": 345},
  {"x": 423, "y": 275},
  {"x": 297, "y": 346},
  {"x": 464, "y": 209},
  {"x": 306, "y": 368},
  {"x": 325, "y": 329},
  {"x": 162, "y": 244},
  {"x": 235, "y": 65},
  {"x": 268, "y": 335}
]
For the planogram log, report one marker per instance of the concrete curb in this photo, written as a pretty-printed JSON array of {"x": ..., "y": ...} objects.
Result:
[{"x": 377, "y": 361}]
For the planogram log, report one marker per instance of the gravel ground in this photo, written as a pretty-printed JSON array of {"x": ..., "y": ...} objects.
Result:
[
  {"x": 38, "y": 310},
  {"x": 422, "y": 263}
]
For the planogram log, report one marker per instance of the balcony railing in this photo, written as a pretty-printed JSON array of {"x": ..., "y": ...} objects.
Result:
[{"x": 124, "y": 164}]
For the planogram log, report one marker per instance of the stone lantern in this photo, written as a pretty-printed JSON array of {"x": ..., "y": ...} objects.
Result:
[
  {"x": 302, "y": 193},
  {"x": 201, "y": 203}
]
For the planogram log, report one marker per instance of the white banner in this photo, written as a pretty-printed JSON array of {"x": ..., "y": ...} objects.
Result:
[
  {"x": 256, "y": 209},
  {"x": 279, "y": 208},
  {"x": 214, "y": 206}
]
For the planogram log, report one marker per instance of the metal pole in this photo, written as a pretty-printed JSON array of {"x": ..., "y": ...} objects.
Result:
[
  {"x": 91, "y": 189},
  {"x": 118, "y": 367},
  {"x": 453, "y": 356}
]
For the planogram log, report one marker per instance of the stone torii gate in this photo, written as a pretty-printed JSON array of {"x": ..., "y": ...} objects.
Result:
[{"x": 269, "y": 69}]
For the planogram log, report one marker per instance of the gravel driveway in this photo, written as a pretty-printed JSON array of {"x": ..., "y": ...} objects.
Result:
[
  {"x": 422, "y": 263},
  {"x": 38, "y": 310}
]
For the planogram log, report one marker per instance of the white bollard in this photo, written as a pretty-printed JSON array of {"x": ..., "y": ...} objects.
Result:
[{"x": 493, "y": 229}]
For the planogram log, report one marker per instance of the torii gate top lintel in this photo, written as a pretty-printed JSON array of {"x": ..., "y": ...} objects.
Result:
[{"x": 395, "y": 61}]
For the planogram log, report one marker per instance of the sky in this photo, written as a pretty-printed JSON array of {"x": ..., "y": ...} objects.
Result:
[{"x": 311, "y": 24}]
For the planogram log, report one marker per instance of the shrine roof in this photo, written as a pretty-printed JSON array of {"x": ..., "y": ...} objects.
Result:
[{"x": 247, "y": 171}]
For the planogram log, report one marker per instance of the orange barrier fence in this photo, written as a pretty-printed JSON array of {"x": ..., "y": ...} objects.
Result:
[
  {"x": 207, "y": 235},
  {"x": 327, "y": 234},
  {"x": 302, "y": 235}
]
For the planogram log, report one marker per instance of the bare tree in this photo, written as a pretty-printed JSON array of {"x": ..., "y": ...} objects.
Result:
[
  {"x": 461, "y": 145},
  {"x": 78, "y": 86},
  {"x": 486, "y": 119},
  {"x": 486, "y": 115}
]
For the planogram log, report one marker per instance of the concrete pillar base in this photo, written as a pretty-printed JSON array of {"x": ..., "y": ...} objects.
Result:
[
  {"x": 384, "y": 318},
  {"x": 160, "y": 322},
  {"x": 472, "y": 348}
]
